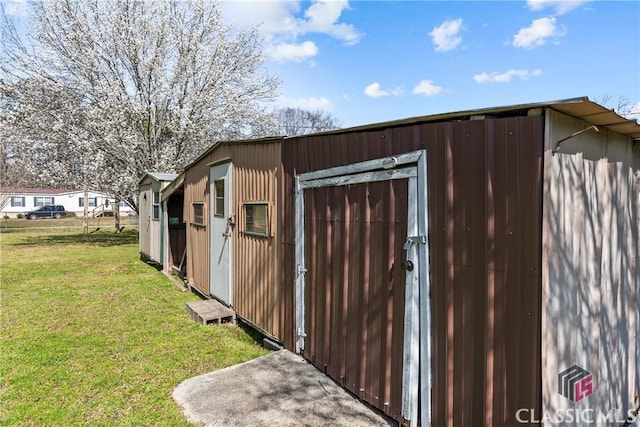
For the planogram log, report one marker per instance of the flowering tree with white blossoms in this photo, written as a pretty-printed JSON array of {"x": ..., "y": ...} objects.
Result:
[{"x": 140, "y": 86}]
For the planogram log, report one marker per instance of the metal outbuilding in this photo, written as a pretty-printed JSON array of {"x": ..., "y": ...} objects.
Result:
[
  {"x": 231, "y": 210},
  {"x": 150, "y": 214},
  {"x": 470, "y": 268}
]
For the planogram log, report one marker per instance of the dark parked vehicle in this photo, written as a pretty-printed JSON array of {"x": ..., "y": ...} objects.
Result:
[{"x": 52, "y": 211}]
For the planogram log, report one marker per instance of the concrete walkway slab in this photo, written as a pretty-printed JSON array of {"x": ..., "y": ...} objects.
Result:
[{"x": 279, "y": 389}]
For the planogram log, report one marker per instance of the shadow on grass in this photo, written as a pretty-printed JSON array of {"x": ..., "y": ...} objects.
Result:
[
  {"x": 252, "y": 331},
  {"x": 94, "y": 238}
]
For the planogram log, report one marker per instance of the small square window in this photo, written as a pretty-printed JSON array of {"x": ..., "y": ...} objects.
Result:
[
  {"x": 218, "y": 208},
  {"x": 197, "y": 214},
  {"x": 256, "y": 218},
  {"x": 17, "y": 202}
]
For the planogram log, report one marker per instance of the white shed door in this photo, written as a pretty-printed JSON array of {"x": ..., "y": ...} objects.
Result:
[{"x": 220, "y": 213}]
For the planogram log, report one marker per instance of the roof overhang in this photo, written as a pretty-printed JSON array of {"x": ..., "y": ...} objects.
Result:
[
  {"x": 581, "y": 108},
  {"x": 158, "y": 177},
  {"x": 172, "y": 187},
  {"x": 215, "y": 146},
  {"x": 600, "y": 116}
]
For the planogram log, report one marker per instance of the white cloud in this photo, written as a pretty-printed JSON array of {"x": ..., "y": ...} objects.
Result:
[
  {"x": 15, "y": 7},
  {"x": 427, "y": 88},
  {"x": 293, "y": 52},
  {"x": 311, "y": 104},
  {"x": 559, "y": 6},
  {"x": 282, "y": 22},
  {"x": 322, "y": 17},
  {"x": 271, "y": 16},
  {"x": 446, "y": 36},
  {"x": 507, "y": 76},
  {"x": 537, "y": 33},
  {"x": 374, "y": 91}
]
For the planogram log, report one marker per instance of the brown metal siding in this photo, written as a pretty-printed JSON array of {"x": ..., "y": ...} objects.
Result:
[
  {"x": 484, "y": 200},
  {"x": 355, "y": 307},
  {"x": 257, "y": 285},
  {"x": 196, "y": 189}
]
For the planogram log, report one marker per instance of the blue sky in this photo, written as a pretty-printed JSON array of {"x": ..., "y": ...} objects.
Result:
[{"x": 372, "y": 61}]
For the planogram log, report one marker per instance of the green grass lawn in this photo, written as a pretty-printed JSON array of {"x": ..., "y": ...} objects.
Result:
[{"x": 92, "y": 335}]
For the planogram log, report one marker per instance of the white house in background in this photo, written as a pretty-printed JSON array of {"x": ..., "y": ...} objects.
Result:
[{"x": 14, "y": 201}]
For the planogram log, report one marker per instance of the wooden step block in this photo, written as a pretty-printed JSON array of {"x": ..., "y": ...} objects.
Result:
[{"x": 210, "y": 311}]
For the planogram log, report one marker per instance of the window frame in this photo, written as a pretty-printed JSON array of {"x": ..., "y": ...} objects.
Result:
[
  {"x": 155, "y": 206},
  {"x": 217, "y": 198},
  {"x": 22, "y": 204},
  {"x": 45, "y": 199},
  {"x": 81, "y": 202},
  {"x": 193, "y": 214},
  {"x": 266, "y": 232}
]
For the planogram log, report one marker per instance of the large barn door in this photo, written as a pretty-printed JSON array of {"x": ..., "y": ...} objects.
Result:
[{"x": 362, "y": 260}]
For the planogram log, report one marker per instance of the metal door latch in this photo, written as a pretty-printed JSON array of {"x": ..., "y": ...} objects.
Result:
[{"x": 413, "y": 240}]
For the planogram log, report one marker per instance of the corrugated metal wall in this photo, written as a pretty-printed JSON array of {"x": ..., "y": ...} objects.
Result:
[
  {"x": 144, "y": 217},
  {"x": 257, "y": 284},
  {"x": 355, "y": 298},
  {"x": 154, "y": 225},
  {"x": 484, "y": 183},
  {"x": 591, "y": 276},
  {"x": 196, "y": 190}
]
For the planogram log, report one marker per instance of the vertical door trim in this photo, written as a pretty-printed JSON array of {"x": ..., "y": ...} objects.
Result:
[
  {"x": 411, "y": 344},
  {"x": 425, "y": 293},
  {"x": 417, "y": 338}
]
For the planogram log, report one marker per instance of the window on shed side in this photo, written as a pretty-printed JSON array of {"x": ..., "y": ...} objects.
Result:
[
  {"x": 218, "y": 207},
  {"x": 18, "y": 202},
  {"x": 256, "y": 218},
  {"x": 197, "y": 214},
  {"x": 43, "y": 201},
  {"x": 156, "y": 206}
]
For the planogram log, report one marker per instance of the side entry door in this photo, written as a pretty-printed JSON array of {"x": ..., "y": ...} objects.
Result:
[{"x": 221, "y": 263}]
